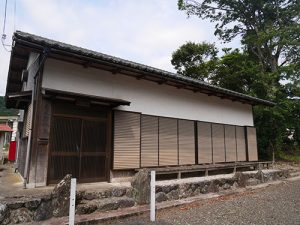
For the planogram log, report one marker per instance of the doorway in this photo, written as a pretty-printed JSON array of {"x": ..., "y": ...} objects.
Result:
[{"x": 79, "y": 143}]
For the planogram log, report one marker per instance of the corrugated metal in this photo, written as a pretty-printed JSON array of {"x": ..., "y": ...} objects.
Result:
[
  {"x": 252, "y": 144},
  {"x": 240, "y": 143},
  {"x": 230, "y": 143},
  {"x": 218, "y": 143},
  {"x": 186, "y": 139},
  {"x": 204, "y": 142},
  {"x": 149, "y": 141},
  {"x": 126, "y": 140},
  {"x": 168, "y": 145}
]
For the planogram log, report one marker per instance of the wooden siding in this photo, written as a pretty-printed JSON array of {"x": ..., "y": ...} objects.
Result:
[
  {"x": 149, "y": 141},
  {"x": 241, "y": 143},
  {"x": 168, "y": 145},
  {"x": 252, "y": 144},
  {"x": 204, "y": 143},
  {"x": 126, "y": 140},
  {"x": 230, "y": 143},
  {"x": 186, "y": 139},
  {"x": 218, "y": 143}
]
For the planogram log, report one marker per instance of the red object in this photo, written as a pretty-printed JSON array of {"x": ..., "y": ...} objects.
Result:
[
  {"x": 5, "y": 128},
  {"x": 12, "y": 151}
]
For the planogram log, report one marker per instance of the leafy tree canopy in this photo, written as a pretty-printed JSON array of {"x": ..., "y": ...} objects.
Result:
[
  {"x": 195, "y": 60},
  {"x": 4, "y": 111},
  {"x": 270, "y": 29},
  {"x": 268, "y": 66}
]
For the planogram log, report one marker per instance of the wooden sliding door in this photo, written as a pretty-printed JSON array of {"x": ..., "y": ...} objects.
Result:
[{"x": 79, "y": 145}]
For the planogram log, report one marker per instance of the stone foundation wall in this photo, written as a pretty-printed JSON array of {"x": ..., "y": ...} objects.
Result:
[
  {"x": 179, "y": 190},
  {"x": 26, "y": 209}
]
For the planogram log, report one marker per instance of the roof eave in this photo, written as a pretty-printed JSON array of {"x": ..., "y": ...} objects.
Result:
[{"x": 149, "y": 71}]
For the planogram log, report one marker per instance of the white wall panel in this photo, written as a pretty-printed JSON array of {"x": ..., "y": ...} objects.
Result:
[{"x": 145, "y": 96}]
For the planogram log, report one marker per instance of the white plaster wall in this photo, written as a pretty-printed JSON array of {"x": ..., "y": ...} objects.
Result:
[
  {"x": 32, "y": 66},
  {"x": 145, "y": 96}
]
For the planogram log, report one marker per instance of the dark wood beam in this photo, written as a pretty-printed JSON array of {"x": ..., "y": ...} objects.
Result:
[
  {"x": 140, "y": 77},
  {"x": 162, "y": 82},
  {"x": 86, "y": 64},
  {"x": 115, "y": 71}
]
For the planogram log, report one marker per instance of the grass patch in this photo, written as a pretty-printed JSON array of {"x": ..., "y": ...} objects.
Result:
[{"x": 289, "y": 157}]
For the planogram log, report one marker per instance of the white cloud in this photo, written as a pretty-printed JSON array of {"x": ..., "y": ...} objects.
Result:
[{"x": 142, "y": 31}]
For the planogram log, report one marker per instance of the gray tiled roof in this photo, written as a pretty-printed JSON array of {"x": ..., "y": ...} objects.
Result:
[{"x": 44, "y": 42}]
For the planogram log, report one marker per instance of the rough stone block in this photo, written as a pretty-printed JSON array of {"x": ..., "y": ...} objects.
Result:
[
  {"x": 3, "y": 212},
  {"x": 22, "y": 215},
  {"x": 33, "y": 204},
  {"x": 173, "y": 195},
  {"x": 141, "y": 187},
  {"x": 44, "y": 211},
  {"x": 160, "y": 197},
  {"x": 86, "y": 208},
  {"x": 118, "y": 192},
  {"x": 61, "y": 197}
]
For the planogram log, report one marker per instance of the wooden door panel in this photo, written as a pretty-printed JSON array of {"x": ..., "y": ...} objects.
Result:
[
  {"x": 93, "y": 150},
  {"x": 79, "y": 145},
  {"x": 64, "y": 148}
]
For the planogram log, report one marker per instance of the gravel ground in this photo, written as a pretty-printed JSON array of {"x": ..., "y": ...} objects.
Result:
[{"x": 277, "y": 204}]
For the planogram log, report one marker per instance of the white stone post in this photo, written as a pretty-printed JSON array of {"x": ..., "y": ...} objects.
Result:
[
  {"x": 152, "y": 197},
  {"x": 72, "y": 202}
]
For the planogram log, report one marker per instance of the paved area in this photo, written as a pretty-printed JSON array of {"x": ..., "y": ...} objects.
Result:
[
  {"x": 275, "y": 204},
  {"x": 11, "y": 185}
]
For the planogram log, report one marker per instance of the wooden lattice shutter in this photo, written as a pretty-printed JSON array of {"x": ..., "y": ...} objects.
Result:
[
  {"x": 230, "y": 143},
  {"x": 27, "y": 121},
  {"x": 240, "y": 143},
  {"x": 168, "y": 145},
  {"x": 204, "y": 142},
  {"x": 186, "y": 139},
  {"x": 149, "y": 141},
  {"x": 252, "y": 144},
  {"x": 218, "y": 143},
  {"x": 126, "y": 140}
]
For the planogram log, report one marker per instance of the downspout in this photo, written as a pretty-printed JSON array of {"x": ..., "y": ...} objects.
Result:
[{"x": 28, "y": 151}]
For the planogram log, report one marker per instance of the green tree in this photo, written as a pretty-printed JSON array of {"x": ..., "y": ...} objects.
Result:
[
  {"x": 268, "y": 67},
  {"x": 270, "y": 29},
  {"x": 5, "y": 111},
  {"x": 195, "y": 60}
]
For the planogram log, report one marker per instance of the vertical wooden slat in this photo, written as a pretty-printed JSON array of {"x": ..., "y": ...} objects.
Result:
[
  {"x": 240, "y": 143},
  {"x": 230, "y": 143},
  {"x": 126, "y": 140},
  {"x": 186, "y": 138},
  {"x": 168, "y": 146},
  {"x": 204, "y": 142},
  {"x": 218, "y": 143},
  {"x": 252, "y": 144},
  {"x": 149, "y": 141}
]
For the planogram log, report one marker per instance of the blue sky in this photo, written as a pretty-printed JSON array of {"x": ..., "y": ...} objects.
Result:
[{"x": 139, "y": 30}]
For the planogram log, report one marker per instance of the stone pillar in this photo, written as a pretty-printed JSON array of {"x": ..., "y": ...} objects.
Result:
[{"x": 141, "y": 187}]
